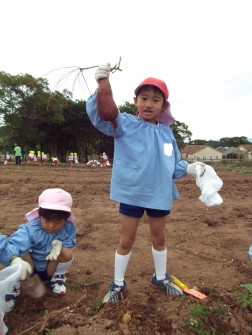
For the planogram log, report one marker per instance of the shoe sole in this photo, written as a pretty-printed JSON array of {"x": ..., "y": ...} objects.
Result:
[
  {"x": 123, "y": 296},
  {"x": 155, "y": 287},
  {"x": 60, "y": 293}
]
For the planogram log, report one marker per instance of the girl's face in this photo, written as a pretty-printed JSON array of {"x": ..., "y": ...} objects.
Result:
[
  {"x": 149, "y": 104},
  {"x": 52, "y": 226}
]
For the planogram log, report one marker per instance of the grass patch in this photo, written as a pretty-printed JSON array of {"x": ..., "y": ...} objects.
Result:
[
  {"x": 245, "y": 298},
  {"x": 203, "y": 320}
]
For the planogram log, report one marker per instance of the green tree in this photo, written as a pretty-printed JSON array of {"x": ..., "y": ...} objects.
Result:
[
  {"x": 31, "y": 113},
  {"x": 49, "y": 124},
  {"x": 5, "y": 145},
  {"x": 128, "y": 108},
  {"x": 214, "y": 144},
  {"x": 198, "y": 142},
  {"x": 181, "y": 133},
  {"x": 233, "y": 141},
  {"x": 21, "y": 101},
  {"x": 80, "y": 135}
]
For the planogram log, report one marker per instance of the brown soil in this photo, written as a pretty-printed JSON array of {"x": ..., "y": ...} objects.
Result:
[{"x": 207, "y": 248}]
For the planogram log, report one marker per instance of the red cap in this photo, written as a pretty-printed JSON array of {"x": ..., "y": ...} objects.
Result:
[
  {"x": 165, "y": 116},
  {"x": 160, "y": 84}
]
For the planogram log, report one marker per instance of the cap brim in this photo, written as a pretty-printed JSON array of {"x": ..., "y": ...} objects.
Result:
[
  {"x": 34, "y": 214},
  {"x": 150, "y": 84}
]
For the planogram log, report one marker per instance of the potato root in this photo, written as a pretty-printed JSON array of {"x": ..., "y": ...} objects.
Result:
[{"x": 126, "y": 318}]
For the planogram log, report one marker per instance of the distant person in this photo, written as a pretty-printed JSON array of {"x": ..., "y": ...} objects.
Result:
[
  {"x": 44, "y": 158},
  {"x": 71, "y": 158},
  {"x": 55, "y": 161},
  {"x": 31, "y": 156},
  {"x": 104, "y": 158},
  {"x": 146, "y": 162},
  {"x": 18, "y": 154},
  {"x": 39, "y": 157},
  {"x": 23, "y": 156},
  {"x": 7, "y": 158},
  {"x": 44, "y": 245},
  {"x": 76, "y": 161}
]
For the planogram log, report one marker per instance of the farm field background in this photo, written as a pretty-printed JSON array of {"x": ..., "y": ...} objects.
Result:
[{"x": 207, "y": 249}]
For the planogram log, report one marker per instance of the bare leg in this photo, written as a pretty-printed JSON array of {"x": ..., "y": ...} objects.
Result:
[
  {"x": 128, "y": 231},
  {"x": 157, "y": 232},
  {"x": 66, "y": 255}
]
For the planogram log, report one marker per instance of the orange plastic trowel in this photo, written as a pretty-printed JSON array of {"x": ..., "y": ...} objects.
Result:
[{"x": 187, "y": 290}]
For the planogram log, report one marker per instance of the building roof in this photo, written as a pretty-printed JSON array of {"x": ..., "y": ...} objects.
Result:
[
  {"x": 193, "y": 148},
  {"x": 227, "y": 151},
  {"x": 247, "y": 147}
]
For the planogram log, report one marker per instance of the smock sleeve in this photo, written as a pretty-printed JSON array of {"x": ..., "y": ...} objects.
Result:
[
  {"x": 3, "y": 241},
  {"x": 180, "y": 165},
  {"x": 18, "y": 244},
  {"x": 69, "y": 239}
]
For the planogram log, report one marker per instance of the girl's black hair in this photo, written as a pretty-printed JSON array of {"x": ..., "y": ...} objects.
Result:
[{"x": 52, "y": 214}]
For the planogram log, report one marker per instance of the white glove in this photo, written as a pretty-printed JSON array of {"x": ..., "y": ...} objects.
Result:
[
  {"x": 192, "y": 170},
  {"x": 102, "y": 72},
  {"x": 26, "y": 269},
  {"x": 55, "y": 251}
]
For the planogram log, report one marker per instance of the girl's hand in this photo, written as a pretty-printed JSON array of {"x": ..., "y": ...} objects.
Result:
[
  {"x": 55, "y": 251},
  {"x": 192, "y": 169},
  {"x": 102, "y": 72},
  {"x": 26, "y": 269}
]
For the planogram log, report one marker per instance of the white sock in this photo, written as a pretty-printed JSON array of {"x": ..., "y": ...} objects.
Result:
[
  {"x": 62, "y": 268},
  {"x": 160, "y": 258},
  {"x": 121, "y": 263}
]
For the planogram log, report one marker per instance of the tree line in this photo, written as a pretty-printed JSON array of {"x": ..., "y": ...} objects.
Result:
[{"x": 41, "y": 120}]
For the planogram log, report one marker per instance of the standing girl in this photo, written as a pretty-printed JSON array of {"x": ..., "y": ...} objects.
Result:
[{"x": 146, "y": 162}]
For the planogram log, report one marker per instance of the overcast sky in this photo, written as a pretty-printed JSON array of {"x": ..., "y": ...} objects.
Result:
[{"x": 201, "y": 49}]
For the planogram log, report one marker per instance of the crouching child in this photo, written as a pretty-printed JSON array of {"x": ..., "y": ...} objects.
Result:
[{"x": 44, "y": 245}]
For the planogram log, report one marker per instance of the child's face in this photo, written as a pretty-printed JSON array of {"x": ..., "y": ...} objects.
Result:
[
  {"x": 149, "y": 104},
  {"x": 52, "y": 226}
]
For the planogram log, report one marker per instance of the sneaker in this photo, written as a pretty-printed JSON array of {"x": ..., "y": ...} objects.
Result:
[
  {"x": 56, "y": 284},
  {"x": 10, "y": 298},
  {"x": 115, "y": 293},
  {"x": 166, "y": 285},
  {"x": 13, "y": 295}
]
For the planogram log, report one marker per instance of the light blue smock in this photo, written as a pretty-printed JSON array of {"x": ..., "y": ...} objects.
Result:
[
  {"x": 146, "y": 160},
  {"x": 3, "y": 241},
  {"x": 32, "y": 237}
]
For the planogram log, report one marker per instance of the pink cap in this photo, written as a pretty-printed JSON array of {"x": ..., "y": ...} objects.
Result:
[
  {"x": 165, "y": 116},
  {"x": 55, "y": 199}
]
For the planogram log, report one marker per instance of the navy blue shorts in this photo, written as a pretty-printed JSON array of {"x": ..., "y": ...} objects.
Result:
[
  {"x": 138, "y": 212},
  {"x": 42, "y": 274}
]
